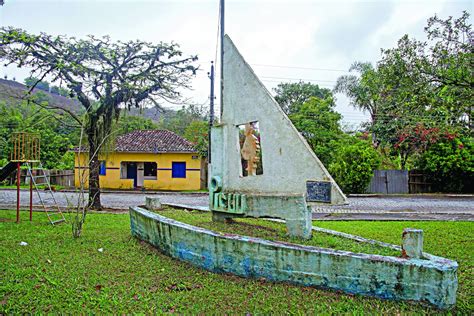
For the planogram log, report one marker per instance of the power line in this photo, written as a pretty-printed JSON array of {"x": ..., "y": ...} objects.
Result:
[
  {"x": 221, "y": 37},
  {"x": 387, "y": 119},
  {"x": 295, "y": 67},
  {"x": 217, "y": 37},
  {"x": 300, "y": 79},
  {"x": 216, "y": 107},
  {"x": 279, "y": 81}
]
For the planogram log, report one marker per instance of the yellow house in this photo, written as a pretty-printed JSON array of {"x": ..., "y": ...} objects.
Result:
[{"x": 149, "y": 159}]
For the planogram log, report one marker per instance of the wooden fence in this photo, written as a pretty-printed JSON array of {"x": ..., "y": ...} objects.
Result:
[
  {"x": 418, "y": 182},
  {"x": 389, "y": 182},
  {"x": 399, "y": 182},
  {"x": 64, "y": 178}
]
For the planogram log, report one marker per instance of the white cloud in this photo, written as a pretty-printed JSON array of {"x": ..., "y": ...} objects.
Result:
[{"x": 309, "y": 34}]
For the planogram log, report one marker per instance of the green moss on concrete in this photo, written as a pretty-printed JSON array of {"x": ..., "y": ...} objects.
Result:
[{"x": 433, "y": 281}]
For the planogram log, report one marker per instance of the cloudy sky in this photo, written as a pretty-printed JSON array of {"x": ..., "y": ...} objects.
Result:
[{"x": 283, "y": 40}]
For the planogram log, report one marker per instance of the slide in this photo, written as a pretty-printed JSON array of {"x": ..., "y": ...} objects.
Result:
[{"x": 7, "y": 170}]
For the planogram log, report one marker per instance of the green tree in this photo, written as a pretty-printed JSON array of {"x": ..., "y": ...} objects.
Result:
[
  {"x": 435, "y": 74},
  {"x": 447, "y": 65},
  {"x": 417, "y": 87},
  {"x": 354, "y": 165},
  {"x": 33, "y": 82},
  {"x": 449, "y": 164},
  {"x": 319, "y": 123},
  {"x": 48, "y": 125},
  {"x": 59, "y": 91},
  {"x": 103, "y": 75},
  {"x": 130, "y": 123},
  {"x": 363, "y": 90},
  {"x": 197, "y": 133},
  {"x": 10, "y": 121},
  {"x": 179, "y": 121},
  {"x": 290, "y": 96}
]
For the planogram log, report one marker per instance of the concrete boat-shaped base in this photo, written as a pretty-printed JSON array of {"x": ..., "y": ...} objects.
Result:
[{"x": 432, "y": 280}]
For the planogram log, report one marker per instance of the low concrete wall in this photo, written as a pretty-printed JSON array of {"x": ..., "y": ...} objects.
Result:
[{"x": 433, "y": 281}]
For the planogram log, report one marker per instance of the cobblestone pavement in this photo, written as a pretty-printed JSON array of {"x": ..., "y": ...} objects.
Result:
[
  {"x": 419, "y": 204},
  {"x": 385, "y": 207}
]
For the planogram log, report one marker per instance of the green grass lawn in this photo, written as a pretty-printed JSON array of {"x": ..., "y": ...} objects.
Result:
[
  {"x": 27, "y": 186},
  {"x": 56, "y": 273}
]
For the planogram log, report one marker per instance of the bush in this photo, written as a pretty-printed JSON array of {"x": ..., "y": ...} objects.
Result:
[
  {"x": 3, "y": 162},
  {"x": 353, "y": 166},
  {"x": 449, "y": 164},
  {"x": 66, "y": 162}
]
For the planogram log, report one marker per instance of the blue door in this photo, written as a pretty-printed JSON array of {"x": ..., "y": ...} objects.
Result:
[
  {"x": 178, "y": 170},
  {"x": 132, "y": 172},
  {"x": 102, "y": 168}
]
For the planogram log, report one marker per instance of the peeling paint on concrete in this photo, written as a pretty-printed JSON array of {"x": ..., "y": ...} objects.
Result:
[
  {"x": 282, "y": 174},
  {"x": 288, "y": 160},
  {"x": 412, "y": 245},
  {"x": 292, "y": 208},
  {"x": 432, "y": 280}
]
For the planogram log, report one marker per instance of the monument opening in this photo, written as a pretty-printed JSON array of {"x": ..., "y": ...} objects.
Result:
[{"x": 250, "y": 149}]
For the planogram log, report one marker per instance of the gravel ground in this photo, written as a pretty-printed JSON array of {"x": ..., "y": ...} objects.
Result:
[{"x": 382, "y": 207}]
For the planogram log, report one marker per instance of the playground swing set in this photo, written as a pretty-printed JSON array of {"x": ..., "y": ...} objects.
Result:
[{"x": 26, "y": 151}]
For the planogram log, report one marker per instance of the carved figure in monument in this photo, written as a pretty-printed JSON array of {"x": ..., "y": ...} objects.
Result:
[{"x": 250, "y": 150}]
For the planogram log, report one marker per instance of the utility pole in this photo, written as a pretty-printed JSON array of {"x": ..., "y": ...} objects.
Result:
[
  {"x": 221, "y": 13},
  {"x": 211, "y": 111}
]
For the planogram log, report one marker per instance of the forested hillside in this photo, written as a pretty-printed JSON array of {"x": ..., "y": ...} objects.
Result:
[{"x": 54, "y": 117}]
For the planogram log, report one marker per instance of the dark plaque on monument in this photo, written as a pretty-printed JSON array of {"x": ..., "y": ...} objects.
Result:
[{"x": 318, "y": 191}]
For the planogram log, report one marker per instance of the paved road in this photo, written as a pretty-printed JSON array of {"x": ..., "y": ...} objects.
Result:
[
  {"x": 416, "y": 207},
  {"x": 109, "y": 200}
]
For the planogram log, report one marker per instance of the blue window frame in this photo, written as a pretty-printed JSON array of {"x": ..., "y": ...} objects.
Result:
[
  {"x": 102, "y": 168},
  {"x": 178, "y": 170}
]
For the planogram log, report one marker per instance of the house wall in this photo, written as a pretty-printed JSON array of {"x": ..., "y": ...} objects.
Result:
[{"x": 164, "y": 180}]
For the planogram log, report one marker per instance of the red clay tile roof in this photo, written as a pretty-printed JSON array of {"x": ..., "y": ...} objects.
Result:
[{"x": 152, "y": 141}]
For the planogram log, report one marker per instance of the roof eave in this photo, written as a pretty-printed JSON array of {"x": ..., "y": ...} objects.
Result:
[
  {"x": 142, "y": 152},
  {"x": 157, "y": 152}
]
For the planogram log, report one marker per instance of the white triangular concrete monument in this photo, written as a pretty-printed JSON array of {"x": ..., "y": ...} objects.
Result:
[{"x": 261, "y": 165}]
